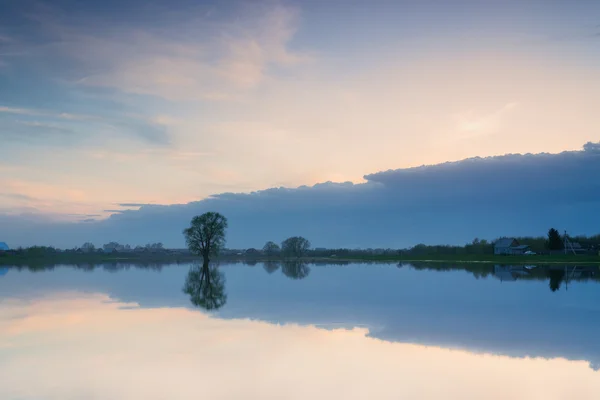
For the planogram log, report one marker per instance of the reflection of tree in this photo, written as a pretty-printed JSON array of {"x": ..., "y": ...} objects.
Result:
[
  {"x": 295, "y": 269},
  {"x": 206, "y": 287},
  {"x": 271, "y": 266},
  {"x": 556, "y": 278}
]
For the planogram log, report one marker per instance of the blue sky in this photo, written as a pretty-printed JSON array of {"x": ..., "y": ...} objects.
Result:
[{"x": 150, "y": 102}]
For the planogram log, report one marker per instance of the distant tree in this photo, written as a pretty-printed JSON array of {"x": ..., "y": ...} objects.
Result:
[
  {"x": 88, "y": 247},
  {"x": 296, "y": 246},
  {"x": 271, "y": 249},
  {"x": 554, "y": 240},
  {"x": 206, "y": 234},
  {"x": 154, "y": 247},
  {"x": 110, "y": 247}
]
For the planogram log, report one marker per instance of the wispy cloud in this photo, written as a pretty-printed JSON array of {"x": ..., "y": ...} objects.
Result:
[
  {"x": 475, "y": 124},
  {"x": 202, "y": 58},
  {"x": 58, "y": 122}
]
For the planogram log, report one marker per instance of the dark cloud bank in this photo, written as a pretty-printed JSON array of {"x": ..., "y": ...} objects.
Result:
[{"x": 446, "y": 203}]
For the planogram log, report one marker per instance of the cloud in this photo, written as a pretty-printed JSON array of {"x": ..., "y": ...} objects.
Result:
[
  {"x": 17, "y": 196},
  {"x": 592, "y": 147},
  {"x": 473, "y": 124},
  {"x": 201, "y": 57},
  {"x": 445, "y": 203},
  {"x": 46, "y": 123}
]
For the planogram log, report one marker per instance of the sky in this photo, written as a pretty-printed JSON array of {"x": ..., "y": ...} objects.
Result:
[{"x": 106, "y": 107}]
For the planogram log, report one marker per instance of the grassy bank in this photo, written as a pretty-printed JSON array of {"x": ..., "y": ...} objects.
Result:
[
  {"x": 95, "y": 258},
  {"x": 484, "y": 258}
]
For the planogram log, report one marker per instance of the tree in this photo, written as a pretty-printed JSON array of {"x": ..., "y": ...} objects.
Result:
[
  {"x": 110, "y": 247},
  {"x": 88, "y": 247},
  {"x": 155, "y": 247},
  {"x": 206, "y": 234},
  {"x": 554, "y": 240},
  {"x": 295, "y": 246},
  {"x": 271, "y": 249}
]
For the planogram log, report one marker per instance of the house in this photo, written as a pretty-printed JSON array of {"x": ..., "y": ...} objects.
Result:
[
  {"x": 509, "y": 246},
  {"x": 4, "y": 247}
]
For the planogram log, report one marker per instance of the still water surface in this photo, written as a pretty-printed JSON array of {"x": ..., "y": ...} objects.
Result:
[{"x": 352, "y": 331}]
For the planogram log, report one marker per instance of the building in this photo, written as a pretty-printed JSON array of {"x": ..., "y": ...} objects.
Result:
[
  {"x": 4, "y": 247},
  {"x": 509, "y": 246}
]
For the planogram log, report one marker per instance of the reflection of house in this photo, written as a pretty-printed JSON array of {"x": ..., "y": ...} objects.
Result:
[
  {"x": 576, "y": 248},
  {"x": 509, "y": 246},
  {"x": 4, "y": 247},
  {"x": 509, "y": 273}
]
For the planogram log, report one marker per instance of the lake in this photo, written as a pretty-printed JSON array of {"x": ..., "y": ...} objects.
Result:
[{"x": 299, "y": 331}]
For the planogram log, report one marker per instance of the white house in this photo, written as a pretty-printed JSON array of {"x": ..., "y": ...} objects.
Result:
[
  {"x": 509, "y": 246},
  {"x": 4, "y": 247}
]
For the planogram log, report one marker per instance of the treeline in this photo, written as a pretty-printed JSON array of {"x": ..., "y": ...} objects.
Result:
[
  {"x": 552, "y": 242},
  {"x": 88, "y": 248},
  {"x": 300, "y": 247}
]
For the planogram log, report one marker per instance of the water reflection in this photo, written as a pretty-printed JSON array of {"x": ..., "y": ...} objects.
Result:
[
  {"x": 506, "y": 310},
  {"x": 206, "y": 287},
  {"x": 295, "y": 269},
  {"x": 71, "y": 346},
  {"x": 556, "y": 278},
  {"x": 271, "y": 266}
]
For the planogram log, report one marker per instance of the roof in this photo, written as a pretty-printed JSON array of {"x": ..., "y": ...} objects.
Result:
[
  {"x": 504, "y": 242},
  {"x": 4, "y": 246}
]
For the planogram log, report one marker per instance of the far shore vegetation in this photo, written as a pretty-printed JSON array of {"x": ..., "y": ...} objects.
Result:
[{"x": 206, "y": 240}]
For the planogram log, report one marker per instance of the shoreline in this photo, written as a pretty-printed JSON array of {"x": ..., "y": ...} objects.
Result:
[{"x": 486, "y": 259}]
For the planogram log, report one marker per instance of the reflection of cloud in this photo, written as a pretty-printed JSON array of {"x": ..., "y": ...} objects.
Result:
[{"x": 159, "y": 353}]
